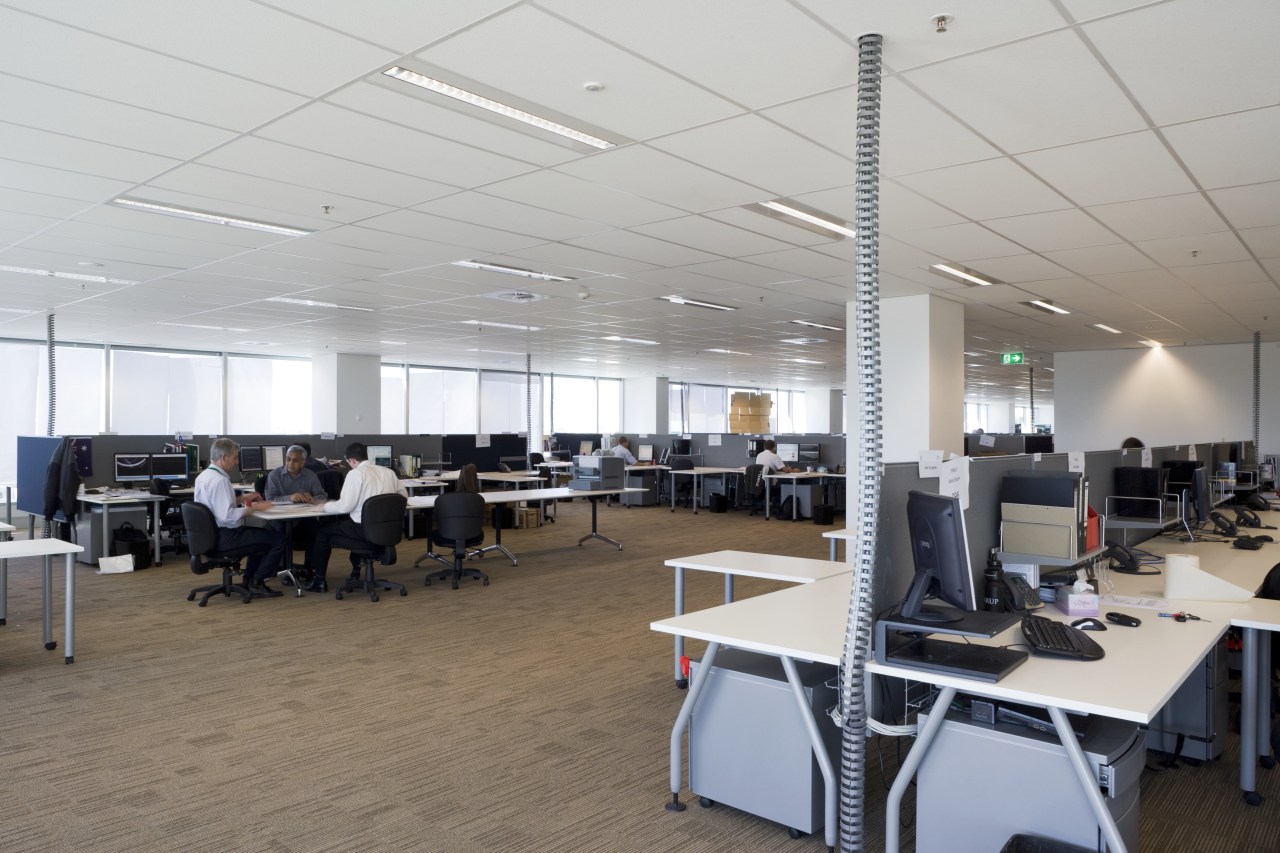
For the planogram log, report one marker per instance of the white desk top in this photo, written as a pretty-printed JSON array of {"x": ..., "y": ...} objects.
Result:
[
  {"x": 6, "y": 528},
  {"x": 805, "y": 622},
  {"x": 770, "y": 566},
  {"x": 417, "y": 482},
  {"x": 847, "y": 533},
  {"x": 37, "y": 548},
  {"x": 280, "y": 512},
  {"x": 519, "y": 496},
  {"x": 705, "y": 469},
  {"x": 802, "y": 475},
  {"x": 647, "y": 466},
  {"x": 122, "y": 498},
  {"x": 1261, "y": 613}
]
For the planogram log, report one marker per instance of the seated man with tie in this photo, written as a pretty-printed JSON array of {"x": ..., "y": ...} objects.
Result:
[{"x": 363, "y": 482}]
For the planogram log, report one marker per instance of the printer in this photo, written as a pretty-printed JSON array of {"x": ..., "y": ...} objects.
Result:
[{"x": 597, "y": 472}]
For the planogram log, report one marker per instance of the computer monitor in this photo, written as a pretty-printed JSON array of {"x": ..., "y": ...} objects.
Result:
[
  {"x": 940, "y": 550},
  {"x": 585, "y": 447},
  {"x": 169, "y": 466},
  {"x": 681, "y": 446},
  {"x": 1201, "y": 496},
  {"x": 272, "y": 456},
  {"x": 644, "y": 453},
  {"x": 132, "y": 467},
  {"x": 380, "y": 454},
  {"x": 789, "y": 452},
  {"x": 251, "y": 459},
  {"x": 808, "y": 454}
]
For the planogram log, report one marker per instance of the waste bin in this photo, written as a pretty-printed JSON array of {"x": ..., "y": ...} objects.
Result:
[
  {"x": 717, "y": 503},
  {"x": 824, "y": 514},
  {"x": 1035, "y": 844}
]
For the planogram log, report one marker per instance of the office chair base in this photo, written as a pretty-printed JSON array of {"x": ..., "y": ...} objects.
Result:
[
  {"x": 291, "y": 577},
  {"x": 481, "y": 552},
  {"x": 456, "y": 573},
  {"x": 226, "y": 588},
  {"x": 601, "y": 537},
  {"x": 368, "y": 584},
  {"x": 431, "y": 555}
]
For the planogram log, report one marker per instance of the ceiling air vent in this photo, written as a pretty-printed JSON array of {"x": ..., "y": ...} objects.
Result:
[{"x": 520, "y": 297}]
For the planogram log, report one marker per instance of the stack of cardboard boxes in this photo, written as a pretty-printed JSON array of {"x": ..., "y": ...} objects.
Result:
[{"x": 749, "y": 413}]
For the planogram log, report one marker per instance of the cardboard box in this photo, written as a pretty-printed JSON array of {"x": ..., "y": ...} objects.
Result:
[{"x": 530, "y": 517}]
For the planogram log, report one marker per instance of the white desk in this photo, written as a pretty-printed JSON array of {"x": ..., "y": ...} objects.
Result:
[
  {"x": 130, "y": 498},
  {"x": 805, "y": 622},
  {"x": 45, "y": 549},
  {"x": 733, "y": 563},
  {"x": 698, "y": 473},
  {"x": 836, "y": 536}
]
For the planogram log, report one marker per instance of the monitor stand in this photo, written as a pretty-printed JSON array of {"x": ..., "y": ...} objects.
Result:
[{"x": 919, "y": 651}]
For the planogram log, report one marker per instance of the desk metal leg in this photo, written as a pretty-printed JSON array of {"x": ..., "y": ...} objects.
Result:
[
  {"x": 46, "y": 600},
  {"x": 681, "y": 681},
  {"x": 1264, "y": 700},
  {"x": 1254, "y": 710},
  {"x": 69, "y": 639},
  {"x": 106, "y": 531},
  {"x": 497, "y": 538},
  {"x": 831, "y": 788},
  {"x": 835, "y": 549},
  {"x": 682, "y": 723},
  {"x": 4, "y": 592},
  {"x": 893, "y": 806},
  {"x": 1088, "y": 783},
  {"x": 594, "y": 534},
  {"x": 672, "y": 476},
  {"x": 155, "y": 516},
  {"x": 696, "y": 495}
]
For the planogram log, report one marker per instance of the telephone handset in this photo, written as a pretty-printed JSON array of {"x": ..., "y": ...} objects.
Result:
[
  {"x": 1123, "y": 560},
  {"x": 1249, "y": 518},
  {"x": 1223, "y": 525}
]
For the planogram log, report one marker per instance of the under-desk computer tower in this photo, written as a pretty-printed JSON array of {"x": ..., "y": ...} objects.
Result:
[
  {"x": 641, "y": 478},
  {"x": 980, "y": 784},
  {"x": 89, "y": 528},
  {"x": 748, "y": 746},
  {"x": 1198, "y": 712}
]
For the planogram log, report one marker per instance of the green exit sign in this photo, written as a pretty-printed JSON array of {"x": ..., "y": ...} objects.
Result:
[{"x": 1011, "y": 358}]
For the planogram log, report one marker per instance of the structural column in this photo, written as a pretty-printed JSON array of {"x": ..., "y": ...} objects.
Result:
[{"x": 346, "y": 393}]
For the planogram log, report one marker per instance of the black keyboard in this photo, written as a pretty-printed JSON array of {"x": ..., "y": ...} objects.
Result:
[
  {"x": 1058, "y": 639},
  {"x": 1248, "y": 543}
]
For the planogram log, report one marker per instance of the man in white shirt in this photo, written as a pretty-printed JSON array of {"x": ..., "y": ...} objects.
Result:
[
  {"x": 771, "y": 461},
  {"x": 623, "y": 450},
  {"x": 362, "y": 482},
  {"x": 213, "y": 489}
]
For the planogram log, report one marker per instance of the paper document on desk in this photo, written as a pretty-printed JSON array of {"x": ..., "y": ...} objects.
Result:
[{"x": 1137, "y": 601}]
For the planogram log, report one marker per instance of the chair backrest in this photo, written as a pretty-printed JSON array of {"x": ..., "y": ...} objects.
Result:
[
  {"x": 682, "y": 463},
  {"x": 753, "y": 476},
  {"x": 536, "y": 459},
  {"x": 202, "y": 529},
  {"x": 459, "y": 516},
  {"x": 468, "y": 480},
  {"x": 260, "y": 485},
  {"x": 1271, "y": 584},
  {"x": 382, "y": 518},
  {"x": 161, "y": 487},
  {"x": 331, "y": 481}
]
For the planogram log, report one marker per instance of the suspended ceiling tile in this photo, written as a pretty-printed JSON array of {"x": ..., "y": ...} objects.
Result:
[
  {"x": 580, "y": 198},
  {"x": 1263, "y": 242},
  {"x": 1018, "y": 269},
  {"x": 1230, "y": 150},
  {"x": 656, "y": 175},
  {"x": 1099, "y": 260},
  {"x": 1155, "y": 218},
  {"x": 1058, "y": 229},
  {"x": 1119, "y": 168},
  {"x": 969, "y": 190},
  {"x": 585, "y": 259},
  {"x": 1208, "y": 276},
  {"x": 1195, "y": 250},
  {"x": 391, "y": 23},
  {"x": 1253, "y": 206},
  {"x": 483, "y": 209},
  {"x": 469, "y": 238},
  {"x": 901, "y": 208},
  {"x": 27, "y": 177},
  {"x": 960, "y": 242},
  {"x": 711, "y": 236}
]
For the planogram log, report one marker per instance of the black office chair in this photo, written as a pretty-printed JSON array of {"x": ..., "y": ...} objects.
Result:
[
  {"x": 202, "y": 541},
  {"x": 260, "y": 484},
  {"x": 682, "y": 485},
  {"x": 382, "y": 518},
  {"x": 536, "y": 459},
  {"x": 459, "y": 524},
  {"x": 331, "y": 481},
  {"x": 170, "y": 517},
  {"x": 753, "y": 487}
]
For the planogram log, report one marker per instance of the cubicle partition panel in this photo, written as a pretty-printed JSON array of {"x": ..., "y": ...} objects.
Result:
[{"x": 462, "y": 450}]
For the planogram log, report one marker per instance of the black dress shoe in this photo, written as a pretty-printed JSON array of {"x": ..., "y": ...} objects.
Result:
[
  {"x": 260, "y": 589},
  {"x": 317, "y": 585}
]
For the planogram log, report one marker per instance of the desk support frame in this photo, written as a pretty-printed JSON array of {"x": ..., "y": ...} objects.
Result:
[{"x": 595, "y": 534}]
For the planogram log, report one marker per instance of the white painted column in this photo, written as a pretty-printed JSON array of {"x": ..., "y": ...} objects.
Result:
[
  {"x": 346, "y": 393},
  {"x": 644, "y": 405}
]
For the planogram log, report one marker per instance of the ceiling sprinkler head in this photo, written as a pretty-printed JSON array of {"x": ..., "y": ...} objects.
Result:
[{"x": 940, "y": 22}]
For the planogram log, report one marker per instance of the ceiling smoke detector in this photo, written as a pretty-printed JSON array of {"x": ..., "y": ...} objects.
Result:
[{"x": 520, "y": 297}]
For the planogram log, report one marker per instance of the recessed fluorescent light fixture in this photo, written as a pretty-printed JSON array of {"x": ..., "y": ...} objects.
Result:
[
  {"x": 17, "y": 310},
  {"x": 794, "y": 211},
  {"x": 804, "y": 341},
  {"x": 1048, "y": 307},
  {"x": 803, "y": 361},
  {"x": 494, "y": 325},
  {"x": 204, "y": 216},
  {"x": 442, "y": 88},
  {"x": 494, "y": 351},
  {"x": 73, "y": 276},
  {"x": 727, "y": 352},
  {"x": 257, "y": 343},
  {"x": 506, "y": 270},
  {"x": 1153, "y": 344},
  {"x": 966, "y": 275},
  {"x": 976, "y": 354},
  {"x": 817, "y": 325},
  {"x": 206, "y": 328},
  {"x": 680, "y": 300},
  {"x": 1106, "y": 328},
  {"x": 313, "y": 303},
  {"x": 642, "y": 341}
]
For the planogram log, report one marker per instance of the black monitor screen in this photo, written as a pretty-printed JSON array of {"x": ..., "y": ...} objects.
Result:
[
  {"x": 1201, "y": 496},
  {"x": 251, "y": 459},
  {"x": 132, "y": 467},
  {"x": 168, "y": 466},
  {"x": 940, "y": 549},
  {"x": 809, "y": 454},
  {"x": 380, "y": 454},
  {"x": 681, "y": 446}
]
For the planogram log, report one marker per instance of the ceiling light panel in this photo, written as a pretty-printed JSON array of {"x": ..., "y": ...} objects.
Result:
[
  {"x": 73, "y": 276},
  {"x": 817, "y": 325},
  {"x": 314, "y": 303},
  {"x": 506, "y": 270},
  {"x": 496, "y": 325},
  {"x": 796, "y": 214},
  {"x": 963, "y": 274},
  {"x": 1047, "y": 307},
  {"x": 1106, "y": 328},
  {"x": 680, "y": 300},
  {"x": 205, "y": 216}
]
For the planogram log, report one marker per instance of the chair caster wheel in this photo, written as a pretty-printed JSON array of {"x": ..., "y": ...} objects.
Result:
[
  {"x": 191, "y": 597},
  {"x": 794, "y": 833},
  {"x": 486, "y": 582},
  {"x": 705, "y": 802},
  {"x": 455, "y": 584},
  {"x": 338, "y": 595},
  {"x": 1268, "y": 761},
  {"x": 682, "y": 683},
  {"x": 50, "y": 646},
  {"x": 373, "y": 597},
  {"x": 1252, "y": 798},
  {"x": 203, "y": 603},
  {"x": 403, "y": 593}
]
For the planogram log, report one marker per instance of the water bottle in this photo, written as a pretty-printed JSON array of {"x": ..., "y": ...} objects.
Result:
[{"x": 994, "y": 581}]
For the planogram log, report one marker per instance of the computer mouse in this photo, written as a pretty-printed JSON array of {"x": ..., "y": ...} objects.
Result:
[
  {"x": 1263, "y": 537},
  {"x": 1124, "y": 619},
  {"x": 1088, "y": 624}
]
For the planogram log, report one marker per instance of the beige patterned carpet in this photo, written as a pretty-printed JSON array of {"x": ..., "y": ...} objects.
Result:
[{"x": 530, "y": 715}]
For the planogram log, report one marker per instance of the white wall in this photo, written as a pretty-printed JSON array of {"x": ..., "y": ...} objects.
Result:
[{"x": 1165, "y": 396}]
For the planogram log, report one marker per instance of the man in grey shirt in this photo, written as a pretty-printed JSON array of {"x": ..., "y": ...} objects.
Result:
[{"x": 294, "y": 483}]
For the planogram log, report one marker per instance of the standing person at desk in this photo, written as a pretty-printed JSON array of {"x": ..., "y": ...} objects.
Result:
[
  {"x": 622, "y": 450},
  {"x": 294, "y": 483},
  {"x": 771, "y": 461},
  {"x": 363, "y": 482},
  {"x": 312, "y": 463},
  {"x": 213, "y": 489}
]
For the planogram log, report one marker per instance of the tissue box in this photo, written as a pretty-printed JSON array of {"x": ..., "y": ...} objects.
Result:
[{"x": 1077, "y": 604}]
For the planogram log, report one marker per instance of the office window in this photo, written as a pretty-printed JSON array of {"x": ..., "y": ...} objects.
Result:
[
  {"x": 708, "y": 408},
  {"x": 502, "y": 404},
  {"x": 789, "y": 412},
  {"x": 573, "y": 404},
  {"x": 609, "y": 405},
  {"x": 158, "y": 392},
  {"x": 975, "y": 416},
  {"x": 268, "y": 395},
  {"x": 442, "y": 401},
  {"x": 393, "y": 400},
  {"x": 677, "y": 408}
]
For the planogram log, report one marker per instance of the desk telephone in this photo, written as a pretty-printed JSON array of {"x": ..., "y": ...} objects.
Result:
[
  {"x": 1223, "y": 525},
  {"x": 1124, "y": 561},
  {"x": 1249, "y": 518},
  {"x": 1022, "y": 595}
]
